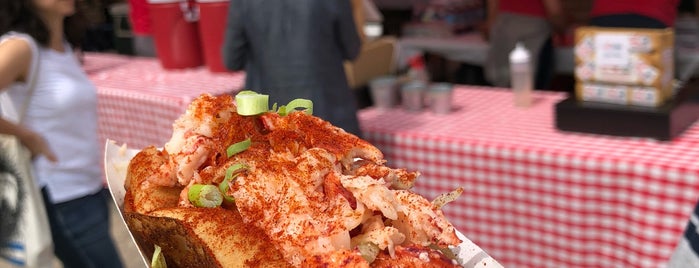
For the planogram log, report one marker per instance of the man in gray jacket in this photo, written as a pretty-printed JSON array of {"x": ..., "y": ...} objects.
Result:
[{"x": 295, "y": 49}]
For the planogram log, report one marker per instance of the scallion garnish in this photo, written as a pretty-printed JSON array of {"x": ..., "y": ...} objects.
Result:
[
  {"x": 307, "y": 105},
  {"x": 235, "y": 168},
  {"x": 158, "y": 260},
  {"x": 223, "y": 187},
  {"x": 282, "y": 110},
  {"x": 247, "y": 92},
  {"x": 231, "y": 174},
  {"x": 251, "y": 103},
  {"x": 238, "y": 147},
  {"x": 205, "y": 195}
]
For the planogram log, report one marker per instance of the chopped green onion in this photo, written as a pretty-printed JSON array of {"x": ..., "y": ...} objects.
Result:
[
  {"x": 251, "y": 103},
  {"x": 300, "y": 103},
  {"x": 231, "y": 174},
  {"x": 282, "y": 110},
  {"x": 238, "y": 147},
  {"x": 369, "y": 251},
  {"x": 247, "y": 92},
  {"x": 158, "y": 260},
  {"x": 223, "y": 187},
  {"x": 205, "y": 195},
  {"x": 235, "y": 169}
]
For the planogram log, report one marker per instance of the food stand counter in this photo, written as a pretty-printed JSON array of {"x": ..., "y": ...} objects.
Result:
[{"x": 538, "y": 197}]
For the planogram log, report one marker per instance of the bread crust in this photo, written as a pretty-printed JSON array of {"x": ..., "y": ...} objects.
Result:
[{"x": 189, "y": 237}]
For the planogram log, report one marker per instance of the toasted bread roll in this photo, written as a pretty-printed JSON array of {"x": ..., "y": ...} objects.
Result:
[
  {"x": 189, "y": 237},
  {"x": 144, "y": 197},
  {"x": 203, "y": 237}
]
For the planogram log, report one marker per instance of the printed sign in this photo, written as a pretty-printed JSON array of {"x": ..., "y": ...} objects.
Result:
[
  {"x": 613, "y": 50},
  {"x": 644, "y": 96}
]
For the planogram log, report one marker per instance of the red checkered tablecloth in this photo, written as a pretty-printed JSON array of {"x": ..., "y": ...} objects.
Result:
[
  {"x": 538, "y": 197},
  {"x": 138, "y": 100}
]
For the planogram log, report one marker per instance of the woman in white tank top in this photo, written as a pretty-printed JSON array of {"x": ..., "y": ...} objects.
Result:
[{"x": 59, "y": 126}]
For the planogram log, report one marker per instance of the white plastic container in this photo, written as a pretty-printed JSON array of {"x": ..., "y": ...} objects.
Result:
[
  {"x": 521, "y": 75},
  {"x": 384, "y": 92},
  {"x": 439, "y": 97},
  {"x": 412, "y": 95}
]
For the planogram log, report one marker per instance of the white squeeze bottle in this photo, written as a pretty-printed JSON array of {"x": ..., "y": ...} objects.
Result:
[{"x": 521, "y": 77}]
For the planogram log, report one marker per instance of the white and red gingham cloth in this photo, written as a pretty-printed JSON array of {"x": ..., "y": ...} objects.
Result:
[
  {"x": 138, "y": 100},
  {"x": 538, "y": 197}
]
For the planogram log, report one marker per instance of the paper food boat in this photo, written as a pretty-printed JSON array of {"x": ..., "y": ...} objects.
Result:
[{"x": 116, "y": 161}]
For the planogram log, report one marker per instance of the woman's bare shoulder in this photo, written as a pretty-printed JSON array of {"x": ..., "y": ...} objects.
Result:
[{"x": 15, "y": 58}]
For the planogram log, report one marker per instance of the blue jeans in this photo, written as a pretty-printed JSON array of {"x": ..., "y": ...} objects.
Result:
[{"x": 80, "y": 232}]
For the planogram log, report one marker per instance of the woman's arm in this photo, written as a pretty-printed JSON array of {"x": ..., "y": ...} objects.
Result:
[
  {"x": 36, "y": 144},
  {"x": 235, "y": 43},
  {"x": 15, "y": 59}
]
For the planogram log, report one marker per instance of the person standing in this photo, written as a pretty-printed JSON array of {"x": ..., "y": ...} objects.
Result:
[
  {"x": 142, "y": 40},
  {"x": 59, "y": 126},
  {"x": 531, "y": 22},
  {"x": 295, "y": 49}
]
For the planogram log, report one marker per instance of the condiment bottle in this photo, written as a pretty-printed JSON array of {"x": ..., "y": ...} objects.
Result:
[
  {"x": 417, "y": 71},
  {"x": 521, "y": 77}
]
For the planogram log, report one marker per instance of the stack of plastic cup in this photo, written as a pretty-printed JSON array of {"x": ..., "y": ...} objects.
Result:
[
  {"x": 175, "y": 33},
  {"x": 383, "y": 92},
  {"x": 212, "y": 25},
  {"x": 439, "y": 98},
  {"x": 412, "y": 95}
]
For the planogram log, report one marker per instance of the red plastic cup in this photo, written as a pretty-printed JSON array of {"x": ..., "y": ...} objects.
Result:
[
  {"x": 175, "y": 33},
  {"x": 212, "y": 25}
]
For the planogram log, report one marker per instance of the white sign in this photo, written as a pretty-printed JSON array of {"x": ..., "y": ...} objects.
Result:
[{"x": 613, "y": 50}]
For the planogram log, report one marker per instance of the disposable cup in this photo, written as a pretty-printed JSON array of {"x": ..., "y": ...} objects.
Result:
[
  {"x": 412, "y": 95},
  {"x": 383, "y": 92},
  {"x": 439, "y": 98}
]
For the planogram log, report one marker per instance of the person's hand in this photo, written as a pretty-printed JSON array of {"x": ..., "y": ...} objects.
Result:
[{"x": 37, "y": 145}]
